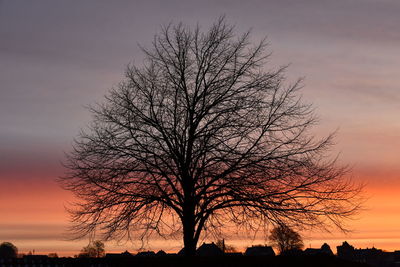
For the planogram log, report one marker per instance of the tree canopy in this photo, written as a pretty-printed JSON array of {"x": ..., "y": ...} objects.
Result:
[
  {"x": 8, "y": 250},
  {"x": 285, "y": 239},
  {"x": 95, "y": 249},
  {"x": 203, "y": 134}
]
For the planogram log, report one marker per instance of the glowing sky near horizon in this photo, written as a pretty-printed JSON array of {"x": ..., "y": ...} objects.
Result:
[{"x": 58, "y": 56}]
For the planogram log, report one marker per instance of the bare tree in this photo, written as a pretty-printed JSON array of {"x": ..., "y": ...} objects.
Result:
[
  {"x": 285, "y": 239},
  {"x": 203, "y": 135},
  {"x": 95, "y": 249}
]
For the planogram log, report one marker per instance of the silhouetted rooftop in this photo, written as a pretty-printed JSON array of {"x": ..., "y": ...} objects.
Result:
[
  {"x": 210, "y": 249},
  {"x": 259, "y": 251}
]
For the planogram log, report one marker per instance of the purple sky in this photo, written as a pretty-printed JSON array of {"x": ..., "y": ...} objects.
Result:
[{"x": 58, "y": 56}]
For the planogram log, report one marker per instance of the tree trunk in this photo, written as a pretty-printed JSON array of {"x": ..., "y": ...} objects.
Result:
[
  {"x": 188, "y": 223},
  {"x": 189, "y": 242}
]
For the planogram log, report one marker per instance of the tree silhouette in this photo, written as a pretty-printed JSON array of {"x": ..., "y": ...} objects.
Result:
[
  {"x": 285, "y": 239},
  {"x": 8, "y": 250},
  {"x": 200, "y": 136},
  {"x": 94, "y": 250}
]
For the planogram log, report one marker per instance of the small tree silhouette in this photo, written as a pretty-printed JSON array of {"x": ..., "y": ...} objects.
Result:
[
  {"x": 8, "y": 250},
  {"x": 94, "y": 250},
  {"x": 285, "y": 239}
]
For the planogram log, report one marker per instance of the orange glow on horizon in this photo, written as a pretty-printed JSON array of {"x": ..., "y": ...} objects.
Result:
[{"x": 37, "y": 220}]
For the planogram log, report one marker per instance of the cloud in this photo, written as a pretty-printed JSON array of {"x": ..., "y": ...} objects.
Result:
[{"x": 33, "y": 231}]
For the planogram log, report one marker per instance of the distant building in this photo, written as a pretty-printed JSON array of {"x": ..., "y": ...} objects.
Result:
[
  {"x": 293, "y": 252},
  {"x": 161, "y": 253},
  {"x": 35, "y": 257},
  {"x": 259, "y": 251},
  {"x": 324, "y": 250},
  {"x": 345, "y": 251},
  {"x": 312, "y": 251},
  {"x": 371, "y": 256},
  {"x": 146, "y": 254},
  {"x": 210, "y": 249},
  {"x": 125, "y": 254},
  {"x": 31, "y": 260}
]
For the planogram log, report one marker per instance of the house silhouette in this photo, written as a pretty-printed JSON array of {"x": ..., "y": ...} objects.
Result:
[
  {"x": 210, "y": 249},
  {"x": 324, "y": 250},
  {"x": 259, "y": 251}
]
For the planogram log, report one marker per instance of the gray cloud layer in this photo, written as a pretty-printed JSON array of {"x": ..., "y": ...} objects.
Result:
[{"x": 57, "y": 56}]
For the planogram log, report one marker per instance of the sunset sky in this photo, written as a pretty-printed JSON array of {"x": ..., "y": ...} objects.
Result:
[{"x": 56, "y": 57}]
